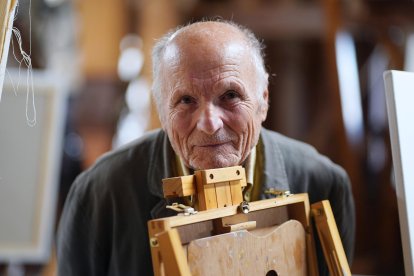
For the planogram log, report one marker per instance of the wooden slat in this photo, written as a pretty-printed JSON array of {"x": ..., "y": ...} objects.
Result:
[
  {"x": 210, "y": 197},
  {"x": 154, "y": 228},
  {"x": 236, "y": 192},
  {"x": 301, "y": 213},
  {"x": 179, "y": 186},
  {"x": 222, "y": 174},
  {"x": 243, "y": 181},
  {"x": 223, "y": 194},
  {"x": 206, "y": 193},
  {"x": 235, "y": 223},
  {"x": 330, "y": 239},
  {"x": 233, "y": 210},
  {"x": 201, "y": 197},
  {"x": 172, "y": 254}
]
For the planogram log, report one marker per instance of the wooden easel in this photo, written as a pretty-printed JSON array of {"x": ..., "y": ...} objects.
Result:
[{"x": 279, "y": 240}]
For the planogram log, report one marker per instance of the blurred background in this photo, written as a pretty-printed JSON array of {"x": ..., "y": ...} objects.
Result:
[{"x": 325, "y": 58}]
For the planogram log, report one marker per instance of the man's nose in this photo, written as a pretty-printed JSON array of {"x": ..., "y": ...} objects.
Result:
[{"x": 209, "y": 120}]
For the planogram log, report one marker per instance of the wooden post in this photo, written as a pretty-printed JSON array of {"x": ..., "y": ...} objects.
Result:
[
  {"x": 155, "y": 19},
  {"x": 331, "y": 241},
  {"x": 172, "y": 253}
]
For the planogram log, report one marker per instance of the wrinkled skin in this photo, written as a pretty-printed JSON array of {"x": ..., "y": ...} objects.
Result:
[{"x": 212, "y": 110}]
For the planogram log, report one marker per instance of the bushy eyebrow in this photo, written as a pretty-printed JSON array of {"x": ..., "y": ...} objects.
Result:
[
  {"x": 231, "y": 84},
  {"x": 228, "y": 80}
]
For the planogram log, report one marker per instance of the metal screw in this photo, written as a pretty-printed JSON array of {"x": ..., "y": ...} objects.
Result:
[
  {"x": 154, "y": 242},
  {"x": 244, "y": 207}
]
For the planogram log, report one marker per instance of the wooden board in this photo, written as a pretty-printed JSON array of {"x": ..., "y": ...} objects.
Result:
[
  {"x": 223, "y": 194},
  {"x": 222, "y": 175},
  {"x": 179, "y": 186},
  {"x": 266, "y": 213},
  {"x": 300, "y": 199},
  {"x": 283, "y": 250}
]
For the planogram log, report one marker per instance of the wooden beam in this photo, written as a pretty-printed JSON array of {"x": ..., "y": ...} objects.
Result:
[
  {"x": 331, "y": 241},
  {"x": 179, "y": 186},
  {"x": 102, "y": 26},
  {"x": 156, "y": 18},
  {"x": 172, "y": 253},
  {"x": 278, "y": 20}
]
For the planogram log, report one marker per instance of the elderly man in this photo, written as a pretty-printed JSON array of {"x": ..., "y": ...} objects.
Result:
[{"x": 210, "y": 86}]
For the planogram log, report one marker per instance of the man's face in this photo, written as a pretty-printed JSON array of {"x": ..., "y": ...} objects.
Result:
[{"x": 211, "y": 110}]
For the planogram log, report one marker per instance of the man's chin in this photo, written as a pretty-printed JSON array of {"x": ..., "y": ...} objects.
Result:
[{"x": 212, "y": 164}]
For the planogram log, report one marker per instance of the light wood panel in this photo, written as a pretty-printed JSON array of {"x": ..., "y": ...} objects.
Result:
[{"x": 283, "y": 250}]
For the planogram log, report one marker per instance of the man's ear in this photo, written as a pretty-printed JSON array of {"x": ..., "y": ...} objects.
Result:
[{"x": 264, "y": 105}]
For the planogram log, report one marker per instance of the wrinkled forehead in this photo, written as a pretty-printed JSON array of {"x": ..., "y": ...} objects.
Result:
[{"x": 206, "y": 48}]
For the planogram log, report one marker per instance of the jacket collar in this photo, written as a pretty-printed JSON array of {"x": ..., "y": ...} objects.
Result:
[
  {"x": 158, "y": 169},
  {"x": 274, "y": 173}
]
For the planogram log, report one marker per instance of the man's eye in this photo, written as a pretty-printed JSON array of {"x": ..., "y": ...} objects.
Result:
[
  {"x": 187, "y": 100},
  {"x": 230, "y": 95}
]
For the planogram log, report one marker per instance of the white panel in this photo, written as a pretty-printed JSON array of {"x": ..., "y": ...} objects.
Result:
[
  {"x": 399, "y": 87},
  {"x": 409, "y": 53},
  {"x": 30, "y": 160}
]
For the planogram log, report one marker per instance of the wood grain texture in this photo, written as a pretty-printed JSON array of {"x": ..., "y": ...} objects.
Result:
[
  {"x": 243, "y": 253},
  {"x": 233, "y": 210},
  {"x": 223, "y": 194},
  {"x": 267, "y": 214},
  {"x": 236, "y": 191},
  {"x": 331, "y": 241},
  {"x": 172, "y": 253},
  {"x": 222, "y": 175},
  {"x": 179, "y": 186}
]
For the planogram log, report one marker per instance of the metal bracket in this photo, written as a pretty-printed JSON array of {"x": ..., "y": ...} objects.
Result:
[
  {"x": 278, "y": 193},
  {"x": 182, "y": 209}
]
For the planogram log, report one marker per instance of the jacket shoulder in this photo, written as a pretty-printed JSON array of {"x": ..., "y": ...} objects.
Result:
[
  {"x": 122, "y": 166},
  {"x": 305, "y": 166}
]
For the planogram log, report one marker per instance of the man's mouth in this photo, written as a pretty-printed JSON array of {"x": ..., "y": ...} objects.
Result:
[{"x": 212, "y": 145}]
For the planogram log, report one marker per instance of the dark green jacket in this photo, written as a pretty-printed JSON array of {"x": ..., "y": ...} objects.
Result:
[{"x": 103, "y": 228}]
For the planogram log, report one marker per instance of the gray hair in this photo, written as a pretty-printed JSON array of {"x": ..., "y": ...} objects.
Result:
[{"x": 160, "y": 46}]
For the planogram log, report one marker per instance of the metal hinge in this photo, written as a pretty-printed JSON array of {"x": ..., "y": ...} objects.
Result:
[
  {"x": 278, "y": 193},
  {"x": 182, "y": 209}
]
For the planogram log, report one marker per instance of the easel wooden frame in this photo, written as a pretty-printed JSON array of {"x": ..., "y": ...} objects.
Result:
[{"x": 168, "y": 235}]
